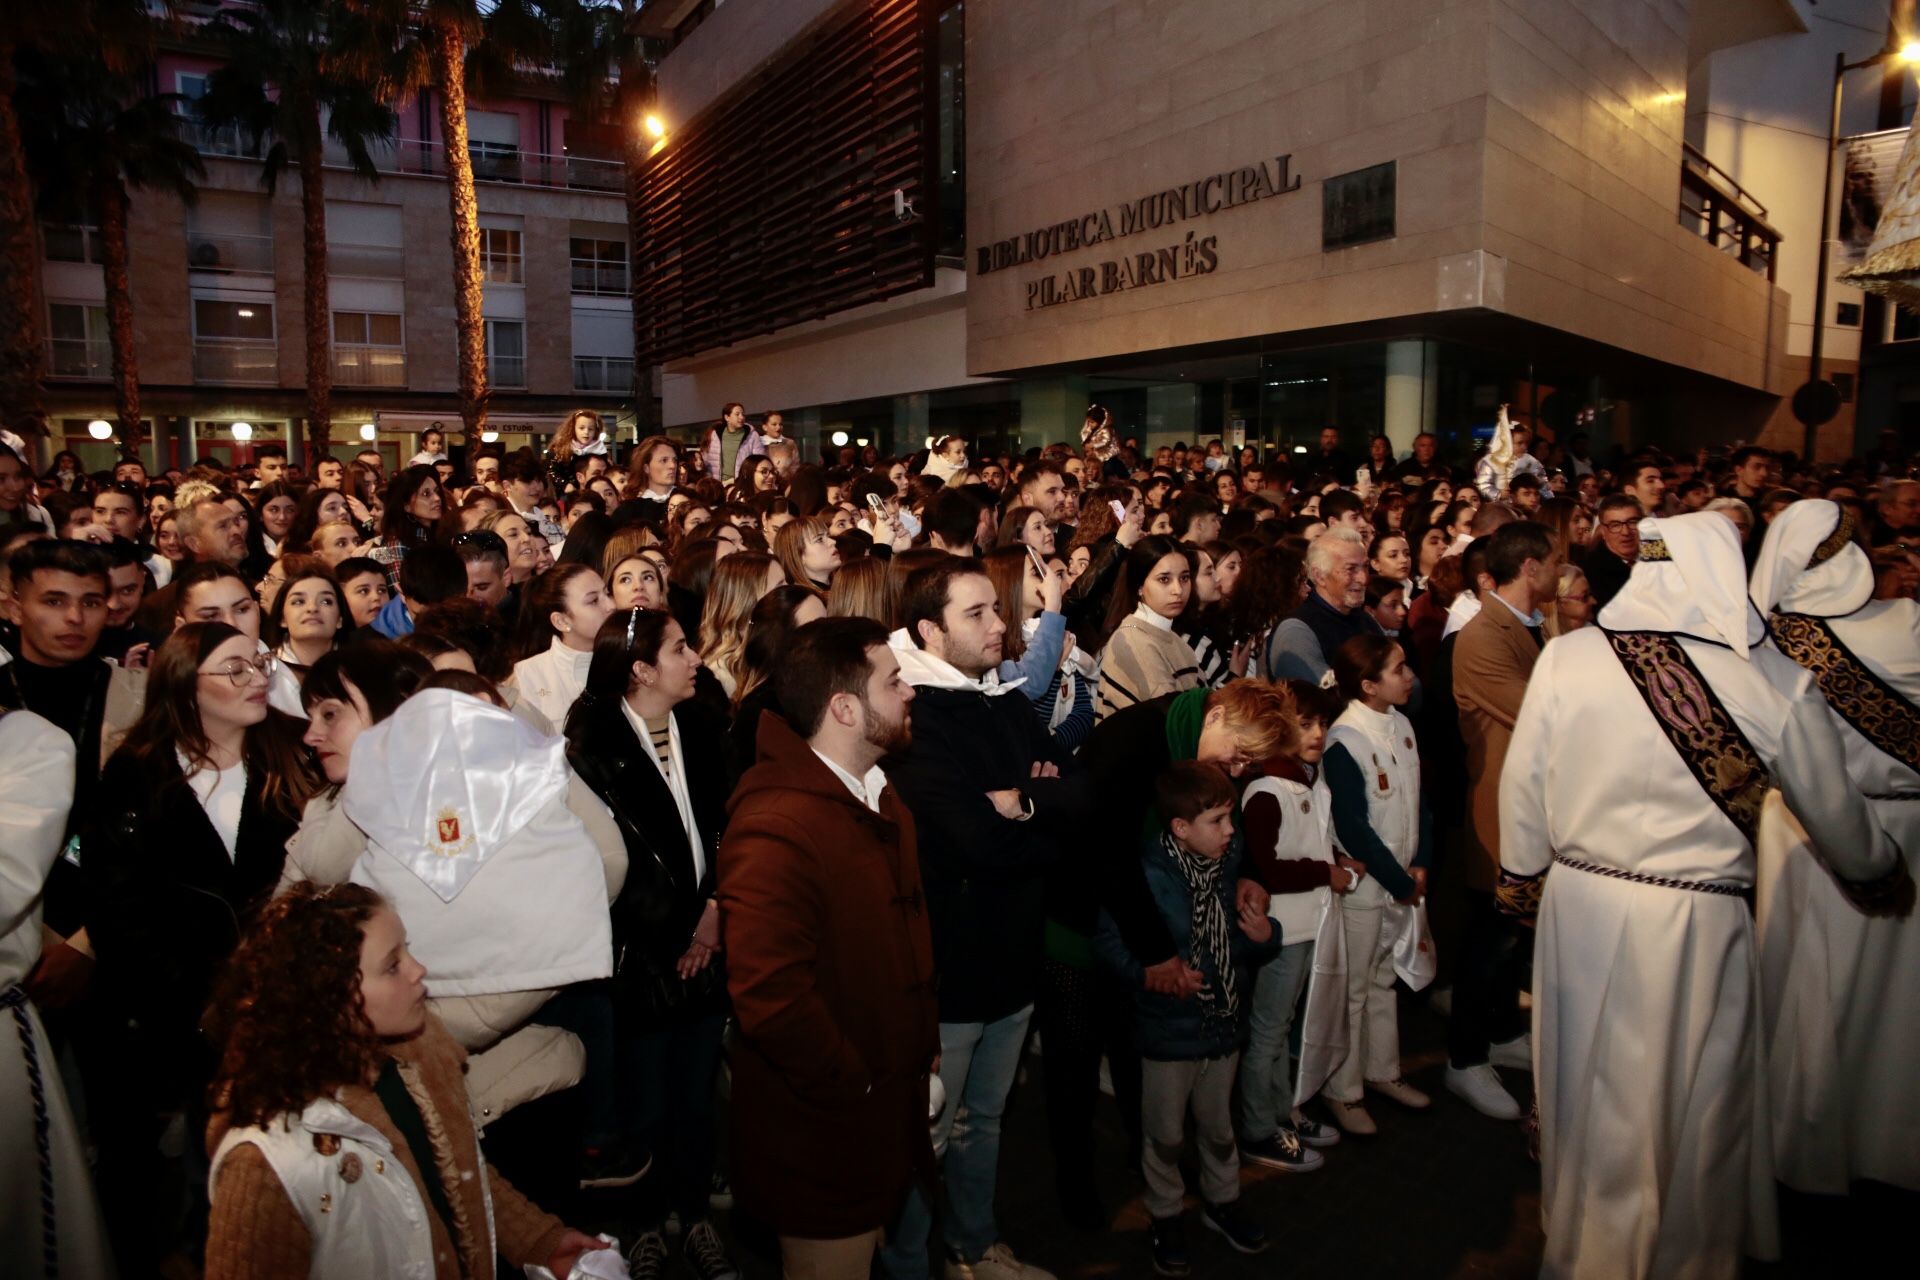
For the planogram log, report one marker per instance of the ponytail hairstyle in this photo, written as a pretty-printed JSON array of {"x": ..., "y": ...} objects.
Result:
[
  {"x": 546, "y": 595},
  {"x": 1359, "y": 659},
  {"x": 626, "y": 637}
]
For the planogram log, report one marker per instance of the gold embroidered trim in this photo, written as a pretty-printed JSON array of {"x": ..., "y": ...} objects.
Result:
[
  {"x": 1655, "y": 549},
  {"x": 1842, "y": 534},
  {"x": 1519, "y": 896},
  {"x": 1701, "y": 730},
  {"x": 1856, "y": 694}
]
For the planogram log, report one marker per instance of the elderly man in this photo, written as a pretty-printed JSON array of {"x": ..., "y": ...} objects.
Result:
[
  {"x": 1842, "y": 989},
  {"x": 1644, "y": 750},
  {"x": 209, "y": 530},
  {"x": 1334, "y": 610}
]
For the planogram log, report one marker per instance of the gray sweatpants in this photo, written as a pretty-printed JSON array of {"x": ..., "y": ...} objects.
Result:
[{"x": 1167, "y": 1091}]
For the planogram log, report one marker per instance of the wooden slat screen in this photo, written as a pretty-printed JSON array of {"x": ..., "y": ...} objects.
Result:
[{"x": 777, "y": 205}]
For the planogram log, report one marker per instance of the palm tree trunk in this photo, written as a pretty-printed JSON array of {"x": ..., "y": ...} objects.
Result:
[
  {"x": 111, "y": 198},
  {"x": 319, "y": 322},
  {"x": 24, "y": 351},
  {"x": 448, "y": 52}
]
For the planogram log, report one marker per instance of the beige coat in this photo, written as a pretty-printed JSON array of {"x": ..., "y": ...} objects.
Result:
[{"x": 1491, "y": 662}]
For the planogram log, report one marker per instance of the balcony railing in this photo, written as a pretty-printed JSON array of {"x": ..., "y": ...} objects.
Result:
[
  {"x": 1725, "y": 214},
  {"x": 603, "y": 373},
  {"x": 527, "y": 168},
  {"x": 368, "y": 366},
  {"x": 229, "y": 253},
  {"x": 366, "y": 261},
  {"x": 235, "y": 360},
  {"x": 507, "y": 371},
  {"x": 224, "y": 141},
  {"x": 600, "y": 279},
  {"x": 90, "y": 359}
]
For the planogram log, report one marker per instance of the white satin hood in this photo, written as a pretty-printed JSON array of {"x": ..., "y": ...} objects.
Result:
[
  {"x": 470, "y": 838},
  {"x": 1786, "y": 576},
  {"x": 1691, "y": 579}
]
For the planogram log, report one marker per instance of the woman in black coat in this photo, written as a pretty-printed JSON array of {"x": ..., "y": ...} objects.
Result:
[
  {"x": 659, "y": 762},
  {"x": 175, "y": 857},
  {"x": 178, "y": 855}
]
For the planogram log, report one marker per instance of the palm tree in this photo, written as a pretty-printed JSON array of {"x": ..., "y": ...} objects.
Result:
[
  {"x": 116, "y": 33},
  {"x": 91, "y": 134},
  {"x": 290, "y": 62}
]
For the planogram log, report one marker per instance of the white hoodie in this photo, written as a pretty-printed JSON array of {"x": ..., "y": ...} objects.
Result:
[{"x": 470, "y": 838}]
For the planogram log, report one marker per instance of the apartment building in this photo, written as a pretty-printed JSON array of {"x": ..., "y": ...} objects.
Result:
[{"x": 217, "y": 289}]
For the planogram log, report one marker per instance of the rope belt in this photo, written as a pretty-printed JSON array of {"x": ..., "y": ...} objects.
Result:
[
  {"x": 1741, "y": 891},
  {"x": 15, "y": 999}
]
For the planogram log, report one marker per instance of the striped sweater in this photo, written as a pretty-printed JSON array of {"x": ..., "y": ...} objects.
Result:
[{"x": 1143, "y": 660}]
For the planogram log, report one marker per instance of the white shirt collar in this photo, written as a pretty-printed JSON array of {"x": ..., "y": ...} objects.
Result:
[
  {"x": 1151, "y": 618},
  {"x": 866, "y": 790},
  {"x": 1537, "y": 619}
]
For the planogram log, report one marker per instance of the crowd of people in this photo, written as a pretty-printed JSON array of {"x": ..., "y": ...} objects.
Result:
[{"x": 393, "y": 861}]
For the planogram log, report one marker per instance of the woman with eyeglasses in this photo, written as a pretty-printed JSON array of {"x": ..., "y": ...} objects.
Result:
[
  {"x": 210, "y": 591},
  {"x": 660, "y": 764},
  {"x": 195, "y": 809}
]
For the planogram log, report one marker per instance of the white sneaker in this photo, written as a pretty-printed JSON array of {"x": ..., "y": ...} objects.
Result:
[
  {"x": 1516, "y": 1053},
  {"x": 997, "y": 1263},
  {"x": 1479, "y": 1086}
]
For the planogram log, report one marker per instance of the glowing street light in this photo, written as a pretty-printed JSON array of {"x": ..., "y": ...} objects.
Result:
[
  {"x": 242, "y": 431},
  {"x": 656, "y": 127},
  {"x": 839, "y": 438},
  {"x": 368, "y": 431},
  {"x": 100, "y": 429}
]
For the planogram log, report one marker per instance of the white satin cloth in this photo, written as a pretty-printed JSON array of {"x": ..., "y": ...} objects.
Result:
[{"x": 470, "y": 838}]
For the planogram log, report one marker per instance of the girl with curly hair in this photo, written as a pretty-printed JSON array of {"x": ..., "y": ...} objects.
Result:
[{"x": 343, "y": 1141}]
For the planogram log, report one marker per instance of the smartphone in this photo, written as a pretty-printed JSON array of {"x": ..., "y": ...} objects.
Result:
[
  {"x": 875, "y": 505},
  {"x": 1119, "y": 510},
  {"x": 1039, "y": 565}
]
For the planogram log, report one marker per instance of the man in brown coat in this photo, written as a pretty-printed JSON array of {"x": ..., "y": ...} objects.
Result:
[
  {"x": 829, "y": 959},
  {"x": 1491, "y": 662}
]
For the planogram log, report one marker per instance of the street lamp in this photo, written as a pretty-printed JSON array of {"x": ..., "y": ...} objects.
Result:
[
  {"x": 100, "y": 429},
  {"x": 242, "y": 430},
  {"x": 368, "y": 431},
  {"x": 1818, "y": 400}
]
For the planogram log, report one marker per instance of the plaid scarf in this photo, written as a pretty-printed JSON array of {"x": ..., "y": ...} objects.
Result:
[{"x": 1211, "y": 939}]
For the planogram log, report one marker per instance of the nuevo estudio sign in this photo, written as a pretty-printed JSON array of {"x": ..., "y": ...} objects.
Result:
[{"x": 1196, "y": 255}]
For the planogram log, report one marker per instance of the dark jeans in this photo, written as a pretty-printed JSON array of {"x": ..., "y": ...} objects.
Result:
[
  {"x": 586, "y": 1009},
  {"x": 668, "y": 1072},
  {"x": 1486, "y": 984},
  {"x": 1081, "y": 1014}
]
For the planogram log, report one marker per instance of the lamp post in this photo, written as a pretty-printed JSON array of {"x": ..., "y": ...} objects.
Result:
[{"x": 1818, "y": 400}]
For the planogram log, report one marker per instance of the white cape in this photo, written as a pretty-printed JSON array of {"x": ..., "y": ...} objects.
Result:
[{"x": 470, "y": 838}]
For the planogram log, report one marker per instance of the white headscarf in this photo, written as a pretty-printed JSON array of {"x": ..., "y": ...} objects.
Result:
[
  {"x": 1691, "y": 579},
  {"x": 1810, "y": 564}
]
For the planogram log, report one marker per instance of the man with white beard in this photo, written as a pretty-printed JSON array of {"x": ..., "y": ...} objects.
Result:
[
  {"x": 1841, "y": 988},
  {"x": 1654, "y": 1147}
]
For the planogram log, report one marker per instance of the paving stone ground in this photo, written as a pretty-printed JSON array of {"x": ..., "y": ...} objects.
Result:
[{"x": 1444, "y": 1193}]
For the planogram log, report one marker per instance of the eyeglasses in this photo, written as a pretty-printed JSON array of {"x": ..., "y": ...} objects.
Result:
[
  {"x": 239, "y": 669},
  {"x": 1618, "y": 526}
]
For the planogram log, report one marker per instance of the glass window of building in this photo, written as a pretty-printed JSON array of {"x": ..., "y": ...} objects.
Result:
[
  {"x": 77, "y": 340},
  {"x": 599, "y": 266},
  {"x": 507, "y": 353},
  {"x": 500, "y": 255}
]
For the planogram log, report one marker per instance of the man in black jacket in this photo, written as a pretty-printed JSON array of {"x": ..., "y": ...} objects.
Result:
[
  {"x": 1609, "y": 561},
  {"x": 985, "y": 790}
]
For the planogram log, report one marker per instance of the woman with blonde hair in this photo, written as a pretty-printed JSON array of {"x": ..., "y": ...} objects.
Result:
[
  {"x": 807, "y": 551},
  {"x": 736, "y": 586},
  {"x": 860, "y": 591},
  {"x": 1571, "y": 525}
]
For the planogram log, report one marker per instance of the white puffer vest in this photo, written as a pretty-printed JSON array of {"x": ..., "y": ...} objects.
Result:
[
  {"x": 1383, "y": 747},
  {"x": 1306, "y": 831},
  {"x": 372, "y": 1223}
]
